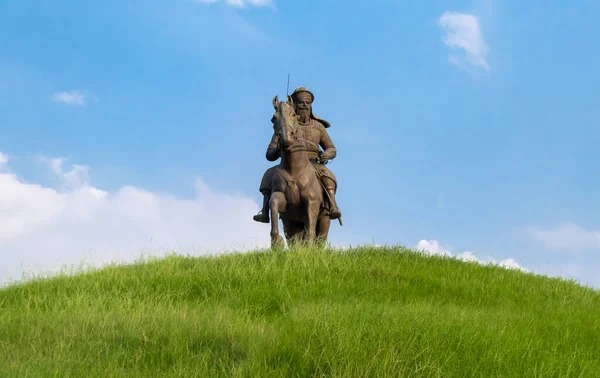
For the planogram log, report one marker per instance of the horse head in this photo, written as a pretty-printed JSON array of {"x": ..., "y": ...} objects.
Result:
[{"x": 285, "y": 122}]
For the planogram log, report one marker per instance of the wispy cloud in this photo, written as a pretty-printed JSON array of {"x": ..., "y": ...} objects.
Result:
[
  {"x": 566, "y": 237},
  {"x": 76, "y": 177},
  {"x": 73, "y": 97},
  {"x": 3, "y": 159},
  {"x": 43, "y": 228},
  {"x": 463, "y": 32},
  {"x": 433, "y": 247},
  {"x": 239, "y": 3}
]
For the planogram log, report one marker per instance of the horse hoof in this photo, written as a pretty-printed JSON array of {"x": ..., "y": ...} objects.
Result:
[{"x": 277, "y": 242}]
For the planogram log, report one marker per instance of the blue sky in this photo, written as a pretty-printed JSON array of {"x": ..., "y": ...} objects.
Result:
[{"x": 465, "y": 126}]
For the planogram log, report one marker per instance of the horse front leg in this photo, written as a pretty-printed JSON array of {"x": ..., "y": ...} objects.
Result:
[
  {"x": 278, "y": 205},
  {"x": 313, "y": 215}
]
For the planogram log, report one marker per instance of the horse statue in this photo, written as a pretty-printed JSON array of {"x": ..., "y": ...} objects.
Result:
[{"x": 297, "y": 195}]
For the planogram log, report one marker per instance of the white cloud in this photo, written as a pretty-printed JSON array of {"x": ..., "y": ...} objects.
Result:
[
  {"x": 43, "y": 229},
  {"x": 3, "y": 159},
  {"x": 240, "y": 3},
  {"x": 77, "y": 177},
  {"x": 464, "y": 33},
  {"x": 567, "y": 237},
  {"x": 74, "y": 97},
  {"x": 434, "y": 248}
]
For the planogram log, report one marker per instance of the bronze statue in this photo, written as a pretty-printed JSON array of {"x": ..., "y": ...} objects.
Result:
[{"x": 306, "y": 209}]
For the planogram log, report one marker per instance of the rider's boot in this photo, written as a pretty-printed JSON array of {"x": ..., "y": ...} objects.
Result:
[
  {"x": 334, "y": 210},
  {"x": 263, "y": 215}
]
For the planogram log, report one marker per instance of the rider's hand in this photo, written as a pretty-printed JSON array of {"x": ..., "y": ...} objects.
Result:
[{"x": 323, "y": 156}]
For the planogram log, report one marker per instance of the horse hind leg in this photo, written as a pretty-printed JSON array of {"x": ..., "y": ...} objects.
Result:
[
  {"x": 294, "y": 233},
  {"x": 323, "y": 225},
  {"x": 277, "y": 205}
]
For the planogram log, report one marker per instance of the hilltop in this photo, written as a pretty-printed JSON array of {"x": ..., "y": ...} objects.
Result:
[{"x": 356, "y": 313}]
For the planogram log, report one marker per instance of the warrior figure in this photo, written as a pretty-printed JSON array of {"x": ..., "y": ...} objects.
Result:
[{"x": 313, "y": 131}]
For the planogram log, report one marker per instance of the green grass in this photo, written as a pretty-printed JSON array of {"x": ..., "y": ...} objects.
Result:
[{"x": 385, "y": 312}]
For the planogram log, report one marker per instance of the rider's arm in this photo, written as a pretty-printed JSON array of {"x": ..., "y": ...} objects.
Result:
[
  {"x": 327, "y": 144},
  {"x": 273, "y": 152}
]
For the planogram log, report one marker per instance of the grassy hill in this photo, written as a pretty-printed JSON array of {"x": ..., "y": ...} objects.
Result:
[{"x": 360, "y": 313}]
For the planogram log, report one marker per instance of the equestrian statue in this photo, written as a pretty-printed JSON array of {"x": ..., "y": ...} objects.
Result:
[{"x": 300, "y": 189}]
